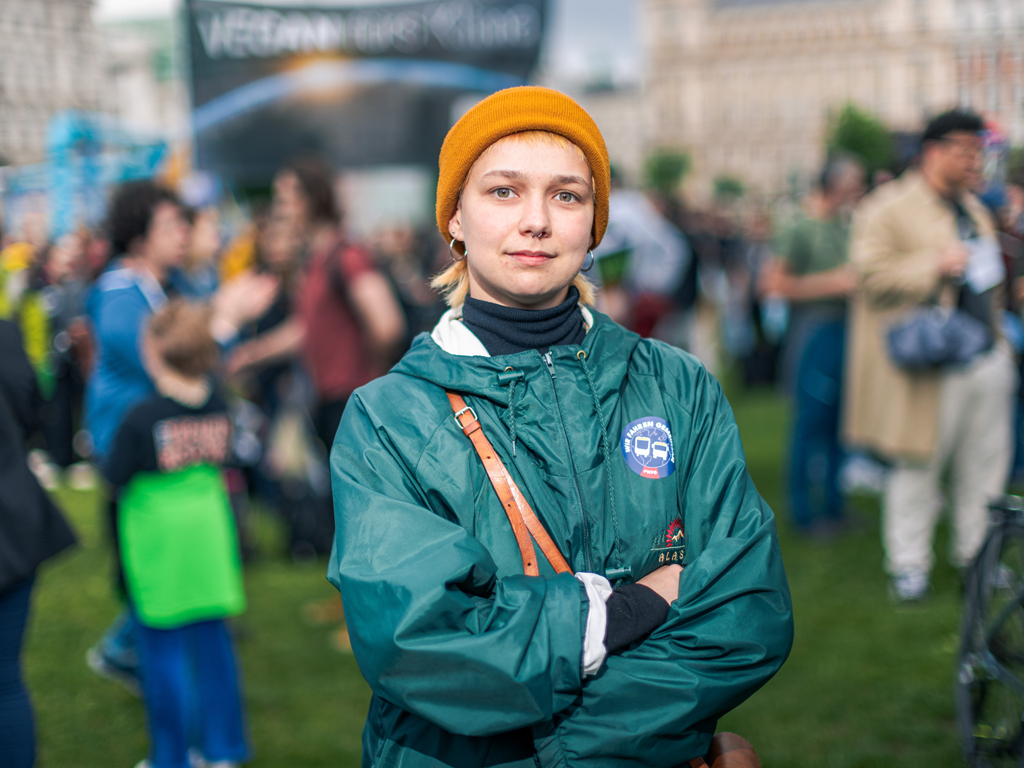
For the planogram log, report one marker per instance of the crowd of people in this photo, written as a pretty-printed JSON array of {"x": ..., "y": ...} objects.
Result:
[
  {"x": 196, "y": 373},
  {"x": 293, "y": 317},
  {"x": 882, "y": 289}
]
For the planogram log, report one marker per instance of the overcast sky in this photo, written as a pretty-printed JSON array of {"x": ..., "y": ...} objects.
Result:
[
  {"x": 588, "y": 39},
  {"x": 109, "y": 10}
]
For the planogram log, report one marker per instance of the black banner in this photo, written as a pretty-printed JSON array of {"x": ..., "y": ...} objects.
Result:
[{"x": 358, "y": 85}]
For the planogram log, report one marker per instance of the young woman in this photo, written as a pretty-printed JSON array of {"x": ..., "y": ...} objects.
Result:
[
  {"x": 625, "y": 449},
  {"x": 347, "y": 321}
]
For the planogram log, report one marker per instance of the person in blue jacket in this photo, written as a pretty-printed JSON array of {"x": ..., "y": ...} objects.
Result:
[{"x": 479, "y": 653}]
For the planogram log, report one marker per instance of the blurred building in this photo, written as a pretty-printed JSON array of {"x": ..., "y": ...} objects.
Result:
[
  {"x": 748, "y": 86},
  {"x": 618, "y": 112},
  {"x": 143, "y": 72},
  {"x": 989, "y": 49},
  {"x": 49, "y": 63},
  {"x": 55, "y": 58}
]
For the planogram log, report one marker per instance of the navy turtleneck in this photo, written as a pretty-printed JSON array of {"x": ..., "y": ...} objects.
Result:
[{"x": 506, "y": 330}]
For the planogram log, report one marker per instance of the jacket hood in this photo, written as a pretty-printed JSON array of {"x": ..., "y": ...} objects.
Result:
[{"x": 607, "y": 345}]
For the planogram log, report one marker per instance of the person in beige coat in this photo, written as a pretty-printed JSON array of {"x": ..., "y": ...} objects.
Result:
[{"x": 922, "y": 239}]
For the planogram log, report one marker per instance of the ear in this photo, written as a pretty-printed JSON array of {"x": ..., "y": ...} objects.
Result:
[{"x": 455, "y": 224}]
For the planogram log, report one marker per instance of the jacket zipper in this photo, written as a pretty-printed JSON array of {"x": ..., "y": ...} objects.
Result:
[{"x": 572, "y": 465}]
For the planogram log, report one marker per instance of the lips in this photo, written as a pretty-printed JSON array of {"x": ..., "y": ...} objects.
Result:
[{"x": 532, "y": 258}]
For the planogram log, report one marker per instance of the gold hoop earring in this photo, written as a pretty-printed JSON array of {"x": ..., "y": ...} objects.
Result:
[
  {"x": 590, "y": 253},
  {"x": 451, "y": 251}
]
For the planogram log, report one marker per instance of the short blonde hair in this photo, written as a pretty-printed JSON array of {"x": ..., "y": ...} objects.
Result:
[
  {"x": 182, "y": 331},
  {"x": 453, "y": 281}
]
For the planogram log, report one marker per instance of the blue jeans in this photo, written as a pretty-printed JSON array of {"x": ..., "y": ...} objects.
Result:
[
  {"x": 192, "y": 694},
  {"x": 816, "y": 456},
  {"x": 118, "y": 644},
  {"x": 17, "y": 729}
]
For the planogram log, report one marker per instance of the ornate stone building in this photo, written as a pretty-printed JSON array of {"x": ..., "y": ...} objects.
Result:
[
  {"x": 989, "y": 50},
  {"x": 748, "y": 86},
  {"x": 49, "y": 63}
]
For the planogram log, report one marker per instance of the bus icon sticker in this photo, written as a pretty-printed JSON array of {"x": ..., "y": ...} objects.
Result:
[{"x": 647, "y": 447}]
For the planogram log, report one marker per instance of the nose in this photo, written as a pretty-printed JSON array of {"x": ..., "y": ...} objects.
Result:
[{"x": 535, "y": 221}]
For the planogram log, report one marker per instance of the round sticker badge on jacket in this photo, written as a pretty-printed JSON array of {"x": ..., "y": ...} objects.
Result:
[{"x": 647, "y": 447}]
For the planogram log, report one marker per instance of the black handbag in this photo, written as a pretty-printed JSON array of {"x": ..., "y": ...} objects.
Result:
[{"x": 936, "y": 337}]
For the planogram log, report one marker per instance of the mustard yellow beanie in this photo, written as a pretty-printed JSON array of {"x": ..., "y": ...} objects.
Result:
[{"x": 515, "y": 110}]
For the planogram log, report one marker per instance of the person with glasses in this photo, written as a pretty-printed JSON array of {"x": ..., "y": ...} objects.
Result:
[{"x": 927, "y": 240}]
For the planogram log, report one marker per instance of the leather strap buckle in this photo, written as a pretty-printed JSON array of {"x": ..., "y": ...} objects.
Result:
[
  {"x": 461, "y": 411},
  {"x": 522, "y": 518}
]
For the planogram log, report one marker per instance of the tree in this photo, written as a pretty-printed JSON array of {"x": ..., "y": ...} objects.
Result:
[
  {"x": 728, "y": 188},
  {"x": 664, "y": 171},
  {"x": 864, "y": 135},
  {"x": 1015, "y": 166}
]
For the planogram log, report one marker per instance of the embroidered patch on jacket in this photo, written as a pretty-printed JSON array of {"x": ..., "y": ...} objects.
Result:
[
  {"x": 647, "y": 447},
  {"x": 671, "y": 547}
]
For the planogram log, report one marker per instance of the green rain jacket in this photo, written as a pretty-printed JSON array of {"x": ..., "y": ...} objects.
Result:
[{"x": 473, "y": 663}]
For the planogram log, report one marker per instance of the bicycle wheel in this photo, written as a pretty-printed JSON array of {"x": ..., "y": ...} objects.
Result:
[{"x": 990, "y": 667}]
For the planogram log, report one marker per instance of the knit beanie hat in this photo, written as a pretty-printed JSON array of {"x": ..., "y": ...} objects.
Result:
[{"x": 515, "y": 110}]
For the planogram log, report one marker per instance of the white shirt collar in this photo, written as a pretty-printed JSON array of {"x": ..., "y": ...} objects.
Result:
[{"x": 452, "y": 335}]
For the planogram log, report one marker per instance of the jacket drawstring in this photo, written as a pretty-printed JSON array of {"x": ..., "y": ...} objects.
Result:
[
  {"x": 512, "y": 377},
  {"x": 512, "y": 414},
  {"x": 607, "y": 454}
]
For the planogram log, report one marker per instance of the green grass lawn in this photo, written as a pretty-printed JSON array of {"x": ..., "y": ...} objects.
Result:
[{"x": 867, "y": 684}]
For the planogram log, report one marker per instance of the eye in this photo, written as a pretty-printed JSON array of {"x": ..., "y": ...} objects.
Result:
[
  {"x": 566, "y": 197},
  {"x": 503, "y": 193}
]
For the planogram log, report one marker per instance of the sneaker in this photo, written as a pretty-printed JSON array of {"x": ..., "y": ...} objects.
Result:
[
  {"x": 196, "y": 760},
  {"x": 123, "y": 676},
  {"x": 909, "y": 587}
]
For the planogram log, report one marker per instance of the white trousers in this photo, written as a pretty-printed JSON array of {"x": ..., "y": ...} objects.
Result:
[{"x": 975, "y": 441}]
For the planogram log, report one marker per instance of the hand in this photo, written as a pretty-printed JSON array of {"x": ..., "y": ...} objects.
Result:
[
  {"x": 664, "y": 581},
  {"x": 954, "y": 261},
  {"x": 243, "y": 356},
  {"x": 771, "y": 281},
  {"x": 245, "y": 298},
  {"x": 846, "y": 280}
]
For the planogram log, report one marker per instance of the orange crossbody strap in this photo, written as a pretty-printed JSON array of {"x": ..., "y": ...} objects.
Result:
[{"x": 524, "y": 522}]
